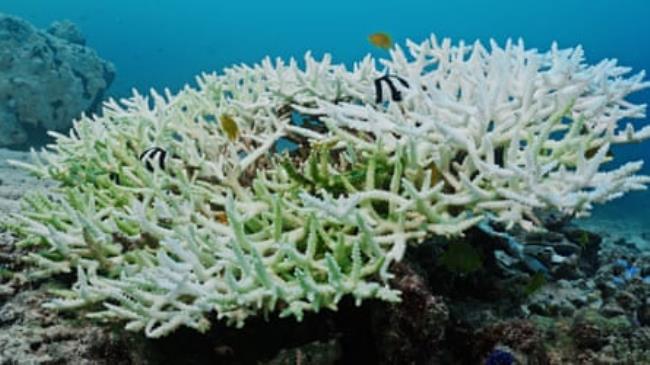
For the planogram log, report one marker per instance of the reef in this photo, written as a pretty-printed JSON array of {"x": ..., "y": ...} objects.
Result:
[
  {"x": 47, "y": 79},
  {"x": 271, "y": 190},
  {"x": 445, "y": 317}
]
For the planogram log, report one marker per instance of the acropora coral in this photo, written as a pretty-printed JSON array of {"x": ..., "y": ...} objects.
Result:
[{"x": 229, "y": 225}]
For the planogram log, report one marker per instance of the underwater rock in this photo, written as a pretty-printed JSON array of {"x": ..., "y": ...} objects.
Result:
[
  {"x": 563, "y": 298},
  {"x": 548, "y": 252},
  {"x": 627, "y": 300},
  {"x": 621, "y": 282},
  {"x": 317, "y": 353},
  {"x": 553, "y": 220},
  {"x": 589, "y": 243},
  {"x": 587, "y": 336},
  {"x": 590, "y": 329},
  {"x": 29, "y": 334},
  {"x": 46, "y": 79},
  {"x": 410, "y": 332},
  {"x": 643, "y": 314},
  {"x": 612, "y": 310},
  {"x": 554, "y": 251},
  {"x": 520, "y": 336},
  {"x": 67, "y": 30}
]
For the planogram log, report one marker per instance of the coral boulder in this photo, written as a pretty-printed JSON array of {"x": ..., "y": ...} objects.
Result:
[{"x": 46, "y": 78}]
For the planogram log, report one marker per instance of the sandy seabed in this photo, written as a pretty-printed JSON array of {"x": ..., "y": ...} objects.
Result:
[{"x": 14, "y": 182}]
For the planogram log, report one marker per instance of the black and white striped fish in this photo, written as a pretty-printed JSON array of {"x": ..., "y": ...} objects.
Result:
[
  {"x": 153, "y": 157},
  {"x": 395, "y": 93}
]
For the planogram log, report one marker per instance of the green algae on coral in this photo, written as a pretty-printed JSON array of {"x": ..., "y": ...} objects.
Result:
[{"x": 230, "y": 227}]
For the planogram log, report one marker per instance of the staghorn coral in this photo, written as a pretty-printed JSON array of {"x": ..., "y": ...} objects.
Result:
[{"x": 227, "y": 225}]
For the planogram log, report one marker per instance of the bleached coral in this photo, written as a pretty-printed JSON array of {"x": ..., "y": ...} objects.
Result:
[
  {"x": 509, "y": 129},
  {"x": 231, "y": 226}
]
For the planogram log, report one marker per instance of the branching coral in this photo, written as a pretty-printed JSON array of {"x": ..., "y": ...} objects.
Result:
[{"x": 228, "y": 225}]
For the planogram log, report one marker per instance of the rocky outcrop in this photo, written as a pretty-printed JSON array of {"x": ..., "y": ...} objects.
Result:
[{"x": 47, "y": 78}]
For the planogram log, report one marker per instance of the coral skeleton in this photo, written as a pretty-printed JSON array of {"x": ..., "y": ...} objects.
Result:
[{"x": 237, "y": 227}]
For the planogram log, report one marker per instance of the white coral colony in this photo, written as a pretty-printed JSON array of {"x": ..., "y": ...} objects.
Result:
[{"x": 230, "y": 226}]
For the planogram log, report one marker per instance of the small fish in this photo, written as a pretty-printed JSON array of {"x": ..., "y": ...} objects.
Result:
[
  {"x": 221, "y": 217},
  {"x": 583, "y": 239},
  {"x": 436, "y": 175},
  {"x": 114, "y": 177},
  {"x": 461, "y": 258},
  {"x": 395, "y": 94},
  {"x": 153, "y": 156},
  {"x": 537, "y": 281},
  {"x": 229, "y": 126},
  {"x": 592, "y": 152},
  {"x": 381, "y": 40}
]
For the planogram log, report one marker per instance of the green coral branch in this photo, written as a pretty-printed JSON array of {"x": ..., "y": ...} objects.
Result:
[{"x": 225, "y": 225}]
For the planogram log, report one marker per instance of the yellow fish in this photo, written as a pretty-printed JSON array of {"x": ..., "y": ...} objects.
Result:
[
  {"x": 229, "y": 126},
  {"x": 221, "y": 217},
  {"x": 381, "y": 40}
]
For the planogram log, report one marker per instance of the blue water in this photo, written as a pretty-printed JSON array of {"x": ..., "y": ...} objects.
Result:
[{"x": 165, "y": 43}]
